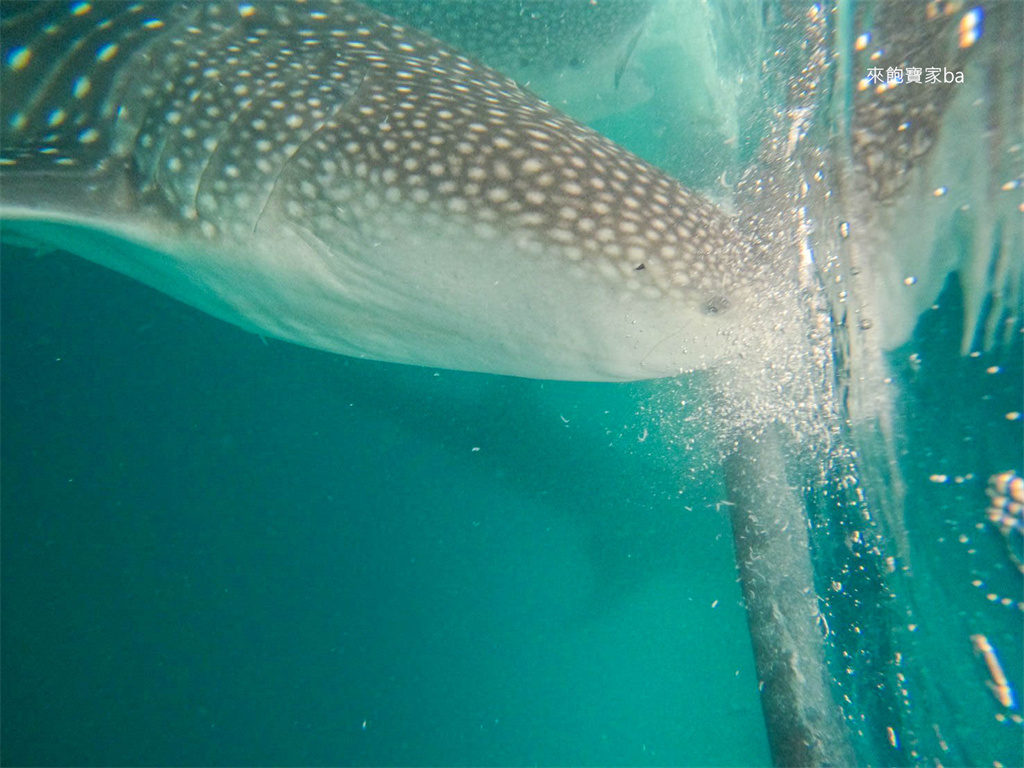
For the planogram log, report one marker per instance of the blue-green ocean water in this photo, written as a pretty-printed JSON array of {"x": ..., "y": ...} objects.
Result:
[
  {"x": 220, "y": 551},
  {"x": 216, "y": 550}
]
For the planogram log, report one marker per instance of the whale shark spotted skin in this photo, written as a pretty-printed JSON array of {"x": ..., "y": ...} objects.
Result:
[{"x": 319, "y": 173}]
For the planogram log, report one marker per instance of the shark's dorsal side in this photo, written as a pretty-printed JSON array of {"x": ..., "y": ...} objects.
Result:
[{"x": 319, "y": 173}]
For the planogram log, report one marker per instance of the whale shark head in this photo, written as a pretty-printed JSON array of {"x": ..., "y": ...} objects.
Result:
[{"x": 320, "y": 173}]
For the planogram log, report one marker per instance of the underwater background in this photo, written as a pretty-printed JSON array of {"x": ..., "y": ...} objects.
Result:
[{"x": 219, "y": 549}]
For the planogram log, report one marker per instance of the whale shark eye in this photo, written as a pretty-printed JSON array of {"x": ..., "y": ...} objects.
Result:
[{"x": 716, "y": 305}]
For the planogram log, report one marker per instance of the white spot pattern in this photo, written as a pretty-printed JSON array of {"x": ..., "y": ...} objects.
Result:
[{"x": 225, "y": 108}]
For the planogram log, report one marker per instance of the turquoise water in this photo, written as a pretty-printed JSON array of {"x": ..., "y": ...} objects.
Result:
[
  {"x": 220, "y": 550},
  {"x": 955, "y": 412}
]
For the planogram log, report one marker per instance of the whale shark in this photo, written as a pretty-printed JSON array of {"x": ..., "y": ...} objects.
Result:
[
  {"x": 326, "y": 175},
  {"x": 320, "y": 174}
]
